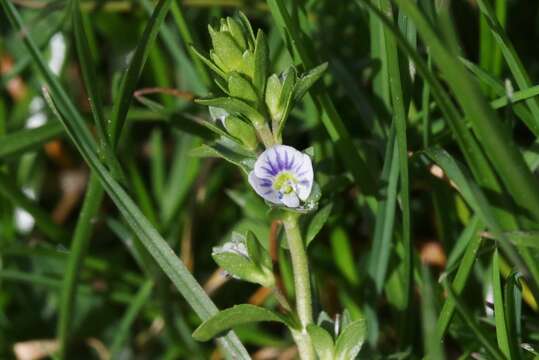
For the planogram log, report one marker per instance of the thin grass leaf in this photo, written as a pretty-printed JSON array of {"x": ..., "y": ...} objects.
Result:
[
  {"x": 399, "y": 111},
  {"x": 502, "y": 334},
  {"x": 385, "y": 216},
  {"x": 431, "y": 345},
  {"x": 77, "y": 251},
  {"x": 122, "y": 332},
  {"x": 468, "y": 318},
  {"x": 134, "y": 70},
  {"x": 22, "y": 141},
  {"x": 44, "y": 222}
]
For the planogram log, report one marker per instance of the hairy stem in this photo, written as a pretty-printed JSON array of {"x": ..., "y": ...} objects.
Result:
[{"x": 302, "y": 285}]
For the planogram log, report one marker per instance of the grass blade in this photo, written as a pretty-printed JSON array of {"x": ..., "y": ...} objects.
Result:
[
  {"x": 499, "y": 310},
  {"x": 132, "y": 75},
  {"x": 28, "y": 139},
  {"x": 140, "y": 299},
  {"x": 77, "y": 251},
  {"x": 479, "y": 333}
]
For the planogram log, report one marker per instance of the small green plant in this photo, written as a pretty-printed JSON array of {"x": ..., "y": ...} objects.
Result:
[{"x": 251, "y": 114}]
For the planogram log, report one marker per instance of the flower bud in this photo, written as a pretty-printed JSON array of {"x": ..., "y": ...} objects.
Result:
[{"x": 231, "y": 48}]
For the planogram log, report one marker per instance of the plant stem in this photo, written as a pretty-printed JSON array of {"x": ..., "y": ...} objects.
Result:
[{"x": 302, "y": 284}]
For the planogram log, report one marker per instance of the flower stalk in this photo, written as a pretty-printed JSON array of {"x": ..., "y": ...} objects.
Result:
[{"x": 302, "y": 284}]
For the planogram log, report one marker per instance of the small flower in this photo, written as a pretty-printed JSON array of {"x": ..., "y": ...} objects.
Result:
[{"x": 283, "y": 175}]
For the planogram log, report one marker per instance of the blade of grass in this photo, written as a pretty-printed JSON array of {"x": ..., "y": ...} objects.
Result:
[
  {"x": 431, "y": 345},
  {"x": 77, "y": 251},
  {"x": 385, "y": 217},
  {"x": 399, "y": 113},
  {"x": 122, "y": 332},
  {"x": 134, "y": 70},
  {"x": 479, "y": 333},
  {"x": 42, "y": 218},
  {"x": 185, "y": 33},
  {"x": 464, "y": 270},
  {"x": 28, "y": 139},
  {"x": 499, "y": 310},
  {"x": 513, "y": 308}
]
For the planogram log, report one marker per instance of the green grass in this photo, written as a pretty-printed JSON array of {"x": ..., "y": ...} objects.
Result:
[{"x": 424, "y": 130}]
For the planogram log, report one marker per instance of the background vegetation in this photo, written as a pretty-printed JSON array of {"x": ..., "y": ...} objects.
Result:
[{"x": 425, "y": 137}]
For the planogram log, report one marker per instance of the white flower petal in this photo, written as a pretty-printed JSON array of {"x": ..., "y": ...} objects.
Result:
[
  {"x": 276, "y": 159},
  {"x": 291, "y": 200},
  {"x": 305, "y": 177},
  {"x": 263, "y": 187}
]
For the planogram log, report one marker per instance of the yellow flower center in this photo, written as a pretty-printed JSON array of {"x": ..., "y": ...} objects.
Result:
[{"x": 285, "y": 183}]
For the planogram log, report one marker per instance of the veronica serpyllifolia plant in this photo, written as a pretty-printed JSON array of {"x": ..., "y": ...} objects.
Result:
[{"x": 249, "y": 116}]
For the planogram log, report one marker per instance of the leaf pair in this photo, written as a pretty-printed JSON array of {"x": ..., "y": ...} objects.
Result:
[{"x": 347, "y": 344}]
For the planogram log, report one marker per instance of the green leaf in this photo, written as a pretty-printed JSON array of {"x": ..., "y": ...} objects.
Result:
[
  {"x": 241, "y": 88},
  {"x": 246, "y": 24},
  {"x": 223, "y": 151},
  {"x": 238, "y": 265},
  {"x": 307, "y": 80},
  {"x": 241, "y": 131},
  {"x": 233, "y": 105},
  {"x": 234, "y": 316},
  {"x": 256, "y": 251},
  {"x": 322, "y": 342},
  {"x": 351, "y": 340},
  {"x": 226, "y": 50},
  {"x": 273, "y": 94},
  {"x": 261, "y": 63},
  {"x": 317, "y": 223},
  {"x": 208, "y": 62}
]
